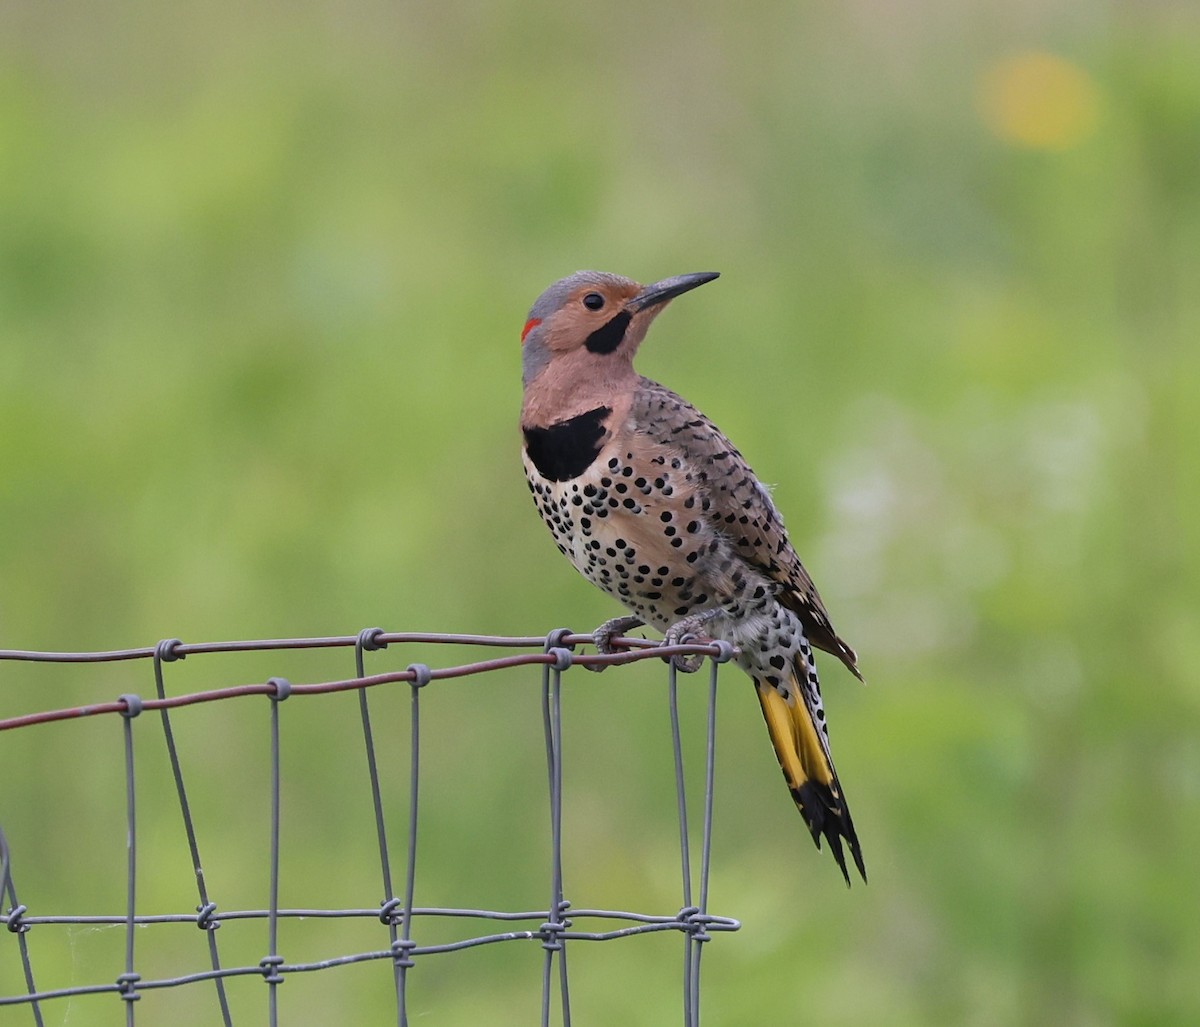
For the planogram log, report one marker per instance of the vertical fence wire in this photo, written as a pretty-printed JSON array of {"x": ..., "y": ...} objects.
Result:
[
  {"x": 689, "y": 1013},
  {"x": 404, "y": 948},
  {"x": 164, "y": 652},
  {"x": 273, "y": 960},
  {"x": 368, "y": 641},
  {"x": 695, "y": 916},
  {"x": 127, "y": 982},
  {"x": 710, "y": 751},
  {"x": 16, "y": 925},
  {"x": 556, "y": 923}
]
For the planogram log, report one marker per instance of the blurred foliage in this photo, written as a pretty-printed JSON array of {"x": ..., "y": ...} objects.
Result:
[{"x": 262, "y": 273}]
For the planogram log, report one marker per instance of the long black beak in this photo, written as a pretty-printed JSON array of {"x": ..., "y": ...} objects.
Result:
[{"x": 668, "y": 289}]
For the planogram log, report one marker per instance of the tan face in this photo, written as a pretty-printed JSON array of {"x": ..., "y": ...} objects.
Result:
[{"x": 591, "y": 316}]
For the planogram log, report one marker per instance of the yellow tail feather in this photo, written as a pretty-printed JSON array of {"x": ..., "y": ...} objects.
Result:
[
  {"x": 794, "y": 737},
  {"x": 809, "y": 772}
]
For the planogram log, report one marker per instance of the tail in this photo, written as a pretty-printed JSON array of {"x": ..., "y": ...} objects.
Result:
[{"x": 796, "y": 722}]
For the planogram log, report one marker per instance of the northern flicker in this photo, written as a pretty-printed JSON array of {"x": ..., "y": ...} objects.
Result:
[{"x": 652, "y": 503}]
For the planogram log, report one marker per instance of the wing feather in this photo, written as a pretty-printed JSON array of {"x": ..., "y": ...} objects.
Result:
[{"x": 741, "y": 508}]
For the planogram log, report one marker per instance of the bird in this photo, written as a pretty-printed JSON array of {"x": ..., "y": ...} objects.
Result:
[{"x": 653, "y": 504}]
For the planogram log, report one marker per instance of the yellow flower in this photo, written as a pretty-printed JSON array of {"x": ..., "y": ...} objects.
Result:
[{"x": 1038, "y": 100}]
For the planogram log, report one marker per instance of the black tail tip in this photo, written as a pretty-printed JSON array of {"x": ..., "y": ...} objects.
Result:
[{"x": 828, "y": 816}]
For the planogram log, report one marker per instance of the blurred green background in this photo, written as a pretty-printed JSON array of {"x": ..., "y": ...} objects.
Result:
[{"x": 262, "y": 274}]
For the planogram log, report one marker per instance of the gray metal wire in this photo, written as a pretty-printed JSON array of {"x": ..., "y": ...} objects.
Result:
[
  {"x": 165, "y": 652},
  {"x": 556, "y": 923},
  {"x": 127, "y": 982},
  {"x": 552, "y": 928},
  {"x": 17, "y": 925},
  {"x": 368, "y": 640}
]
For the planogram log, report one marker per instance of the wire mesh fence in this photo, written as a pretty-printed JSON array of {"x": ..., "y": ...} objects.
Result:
[{"x": 406, "y": 939}]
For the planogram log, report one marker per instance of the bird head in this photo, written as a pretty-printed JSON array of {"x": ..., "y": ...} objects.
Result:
[{"x": 597, "y": 316}]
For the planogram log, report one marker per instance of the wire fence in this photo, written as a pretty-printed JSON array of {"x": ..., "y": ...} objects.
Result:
[{"x": 405, "y": 923}]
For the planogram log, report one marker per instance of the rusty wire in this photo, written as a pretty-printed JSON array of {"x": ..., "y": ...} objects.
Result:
[{"x": 554, "y": 927}]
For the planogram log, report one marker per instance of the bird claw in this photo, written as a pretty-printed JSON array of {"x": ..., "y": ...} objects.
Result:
[
  {"x": 602, "y": 637},
  {"x": 685, "y": 632},
  {"x": 681, "y": 633},
  {"x": 687, "y": 663}
]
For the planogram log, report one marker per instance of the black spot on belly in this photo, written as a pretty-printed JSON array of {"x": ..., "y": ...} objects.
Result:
[{"x": 567, "y": 449}]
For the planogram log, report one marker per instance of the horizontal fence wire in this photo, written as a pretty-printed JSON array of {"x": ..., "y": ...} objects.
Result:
[{"x": 553, "y": 927}]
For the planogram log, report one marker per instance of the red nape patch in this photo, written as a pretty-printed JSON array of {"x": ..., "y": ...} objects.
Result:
[{"x": 530, "y": 325}]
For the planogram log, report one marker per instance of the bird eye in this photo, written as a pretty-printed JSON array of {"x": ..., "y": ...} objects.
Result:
[{"x": 593, "y": 301}]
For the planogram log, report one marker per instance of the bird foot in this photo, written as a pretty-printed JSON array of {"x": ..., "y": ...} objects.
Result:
[
  {"x": 685, "y": 631},
  {"x": 603, "y": 636}
]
